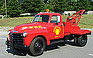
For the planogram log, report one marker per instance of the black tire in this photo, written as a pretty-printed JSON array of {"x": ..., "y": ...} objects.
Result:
[
  {"x": 82, "y": 40},
  {"x": 37, "y": 46},
  {"x": 75, "y": 41}
]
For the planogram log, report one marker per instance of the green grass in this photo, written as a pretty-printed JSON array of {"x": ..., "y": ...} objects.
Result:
[
  {"x": 12, "y": 22},
  {"x": 85, "y": 22}
]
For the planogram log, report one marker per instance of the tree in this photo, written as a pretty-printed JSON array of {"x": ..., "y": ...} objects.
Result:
[
  {"x": 91, "y": 5},
  {"x": 73, "y": 0},
  {"x": 84, "y": 4},
  {"x": 33, "y": 6},
  {"x": 25, "y": 5},
  {"x": 2, "y": 7},
  {"x": 52, "y": 2},
  {"x": 50, "y": 7},
  {"x": 45, "y": 1},
  {"x": 13, "y": 8},
  {"x": 61, "y": 6},
  {"x": 1, "y": 2},
  {"x": 72, "y": 6}
]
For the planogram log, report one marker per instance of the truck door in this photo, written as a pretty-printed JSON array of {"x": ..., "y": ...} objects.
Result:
[{"x": 56, "y": 28}]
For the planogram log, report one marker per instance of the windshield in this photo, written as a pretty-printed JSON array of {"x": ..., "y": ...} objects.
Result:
[{"x": 41, "y": 18}]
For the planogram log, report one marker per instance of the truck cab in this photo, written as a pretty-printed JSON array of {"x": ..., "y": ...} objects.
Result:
[
  {"x": 54, "y": 25},
  {"x": 46, "y": 29}
]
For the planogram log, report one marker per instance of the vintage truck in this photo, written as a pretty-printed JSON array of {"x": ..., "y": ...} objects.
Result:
[{"x": 46, "y": 29}]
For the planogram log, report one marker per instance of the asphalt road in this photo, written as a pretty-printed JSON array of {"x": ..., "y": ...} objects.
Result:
[{"x": 53, "y": 51}]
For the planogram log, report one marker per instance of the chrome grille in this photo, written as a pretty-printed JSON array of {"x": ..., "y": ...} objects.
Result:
[{"x": 17, "y": 38}]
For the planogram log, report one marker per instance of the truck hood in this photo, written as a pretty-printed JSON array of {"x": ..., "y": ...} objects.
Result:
[{"x": 30, "y": 26}]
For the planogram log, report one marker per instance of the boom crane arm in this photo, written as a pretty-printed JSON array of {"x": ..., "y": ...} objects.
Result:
[{"x": 76, "y": 15}]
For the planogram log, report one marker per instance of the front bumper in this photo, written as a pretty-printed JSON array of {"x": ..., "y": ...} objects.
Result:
[{"x": 15, "y": 45}]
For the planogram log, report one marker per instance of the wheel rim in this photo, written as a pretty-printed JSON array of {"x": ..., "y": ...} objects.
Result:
[
  {"x": 38, "y": 46},
  {"x": 84, "y": 40}
]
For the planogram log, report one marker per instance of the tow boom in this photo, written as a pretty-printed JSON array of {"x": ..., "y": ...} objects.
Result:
[{"x": 75, "y": 16}]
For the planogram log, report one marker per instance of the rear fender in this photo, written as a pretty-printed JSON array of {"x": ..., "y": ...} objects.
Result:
[{"x": 81, "y": 32}]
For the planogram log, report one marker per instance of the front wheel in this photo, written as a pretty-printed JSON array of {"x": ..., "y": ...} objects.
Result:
[{"x": 37, "y": 46}]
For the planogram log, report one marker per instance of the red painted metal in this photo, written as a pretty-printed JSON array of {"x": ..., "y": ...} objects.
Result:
[{"x": 50, "y": 30}]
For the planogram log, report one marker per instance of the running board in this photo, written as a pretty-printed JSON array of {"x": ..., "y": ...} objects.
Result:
[{"x": 56, "y": 41}]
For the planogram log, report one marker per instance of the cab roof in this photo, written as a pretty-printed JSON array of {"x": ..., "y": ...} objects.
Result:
[{"x": 48, "y": 14}]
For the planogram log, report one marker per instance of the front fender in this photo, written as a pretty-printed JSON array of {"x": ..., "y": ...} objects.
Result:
[{"x": 31, "y": 34}]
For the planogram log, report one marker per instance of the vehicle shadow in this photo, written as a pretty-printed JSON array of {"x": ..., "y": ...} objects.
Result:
[
  {"x": 48, "y": 48},
  {"x": 18, "y": 52},
  {"x": 54, "y": 46}
]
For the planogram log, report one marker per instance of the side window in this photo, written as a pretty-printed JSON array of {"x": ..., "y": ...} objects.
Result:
[{"x": 55, "y": 19}]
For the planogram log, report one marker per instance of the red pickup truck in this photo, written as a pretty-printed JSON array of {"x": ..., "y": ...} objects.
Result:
[{"x": 47, "y": 29}]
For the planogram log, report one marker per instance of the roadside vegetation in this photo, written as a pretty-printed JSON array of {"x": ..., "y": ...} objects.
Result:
[
  {"x": 12, "y": 22},
  {"x": 16, "y": 7},
  {"x": 85, "y": 22}
]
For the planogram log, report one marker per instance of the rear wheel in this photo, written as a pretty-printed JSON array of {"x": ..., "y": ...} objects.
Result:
[
  {"x": 37, "y": 46},
  {"x": 81, "y": 40}
]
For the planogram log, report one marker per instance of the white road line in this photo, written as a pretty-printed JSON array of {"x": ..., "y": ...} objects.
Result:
[{"x": 91, "y": 54}]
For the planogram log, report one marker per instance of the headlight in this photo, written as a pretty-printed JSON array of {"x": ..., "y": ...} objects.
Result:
[
  {"x": 24, "y": 34},
  {"x": 8, "y": 32}
]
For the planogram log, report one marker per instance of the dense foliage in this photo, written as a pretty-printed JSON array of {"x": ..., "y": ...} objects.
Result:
[
  {"x": 32, "y": 6},
  {"x": 16, "y": 7},
  {"x": 13, "y": 8}
]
